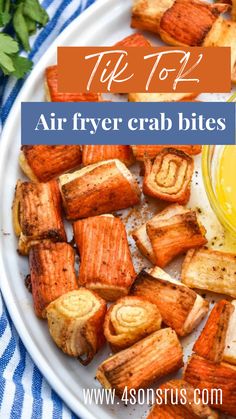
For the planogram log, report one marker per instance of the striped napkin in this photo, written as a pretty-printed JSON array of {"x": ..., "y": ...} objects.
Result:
[{"x": 24, "y": 393}]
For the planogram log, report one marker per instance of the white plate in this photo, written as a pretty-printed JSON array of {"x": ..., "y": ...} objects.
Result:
[{"x": 104, "y": 23}]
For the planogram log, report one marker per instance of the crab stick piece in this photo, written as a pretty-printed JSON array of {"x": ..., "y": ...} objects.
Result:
[
  {"x": 97, "y": 189},
  {"x": 134, "y": 40},
  {"x": 181, "y": 309},
  {"x": 141, "y": 152},
  {"x": 219, "y": 380},
  {"x": 146, "y": 361},
  {"x": 211, "y": 342},
  {"x": 180, "y": 401},
  {"x": 173, "y": 234},
  {"x": 229, "y": 354},
  {"x": 75, "y": 322},
  {"x": 42, "y": 163},
  {"x": 36, "y": 214},
  {"x": 96, "y": 153},
  {"x": 129, "y": 320},
  {"x": 168, "y": 234},
  {"x": 177, "y": 22},
  {"x": 52, "y": 94},
  {"x": 52, "y": 273},
  {"x": 168, "y": 178},
  {"x": 210, "y": 270},
  {"x": 187, "y": 23},
  {"x": 106, "y": 265}
]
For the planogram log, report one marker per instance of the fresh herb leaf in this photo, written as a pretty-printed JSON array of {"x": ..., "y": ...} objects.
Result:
[
  {"x": 22, "y": 66},
  {"x": 24, "y": 16},
  {"x": 34, "y": 11},
  {"x": 5, "y": 16},
  {"x": 31, "y": 25},
  {"x": 6, "y": 63},
  {"x": 8, "y": 44},
  {"x": 2, "y": 5},
  {"x": 20, "y": 26}
]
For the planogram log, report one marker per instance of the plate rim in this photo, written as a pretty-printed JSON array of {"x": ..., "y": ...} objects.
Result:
[{"x": 45, "y": 367}]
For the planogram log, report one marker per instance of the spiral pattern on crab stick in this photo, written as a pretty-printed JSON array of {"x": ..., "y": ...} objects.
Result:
[
  {"x": 169, "y": 177},
  {"x": 75, "y": 323},
  {"x": 129, "y": 320}
]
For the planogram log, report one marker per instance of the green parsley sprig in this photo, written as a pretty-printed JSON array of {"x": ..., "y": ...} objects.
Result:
[{"x": 18, "y": 20}]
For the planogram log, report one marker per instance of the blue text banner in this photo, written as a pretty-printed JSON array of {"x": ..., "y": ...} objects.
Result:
[{"x": 128, "y": 123}]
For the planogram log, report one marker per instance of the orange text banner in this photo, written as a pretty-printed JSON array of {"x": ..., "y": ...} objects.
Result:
[{"x": 144, "y": 69}]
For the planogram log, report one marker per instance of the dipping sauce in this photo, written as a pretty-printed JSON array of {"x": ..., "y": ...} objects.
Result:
[{"x": 226, "y": 182}]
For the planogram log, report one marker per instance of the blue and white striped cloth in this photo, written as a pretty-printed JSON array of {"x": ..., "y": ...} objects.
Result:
[{"x": 24, "y": 393}]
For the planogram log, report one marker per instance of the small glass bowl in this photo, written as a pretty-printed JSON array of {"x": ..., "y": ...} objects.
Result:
[{"x": 210, "y": 159}]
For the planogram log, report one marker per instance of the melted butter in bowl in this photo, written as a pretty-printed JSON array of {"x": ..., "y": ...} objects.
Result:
[
  {"x": 226, "y": 182},
  {"x": 219, "y": 175}
]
